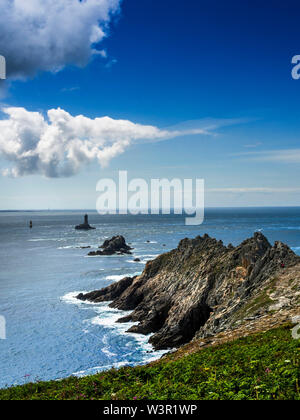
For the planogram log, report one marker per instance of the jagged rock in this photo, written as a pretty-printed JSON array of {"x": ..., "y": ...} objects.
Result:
[
  {"x": 110, "y": 293},
  {"x": 203, "y": 288},
  {"x": 137, "y": 260},
  {"x": 85, "y": 225},
  {"x": 115, "y": 245}
]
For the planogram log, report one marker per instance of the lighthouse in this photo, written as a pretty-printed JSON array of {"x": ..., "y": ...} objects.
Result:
[{"x": 85, "y": 225}]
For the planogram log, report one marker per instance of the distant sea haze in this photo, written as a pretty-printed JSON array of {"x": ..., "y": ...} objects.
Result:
[{"x": 52, "y": 335}]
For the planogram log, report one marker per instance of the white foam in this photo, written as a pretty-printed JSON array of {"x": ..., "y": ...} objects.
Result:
[
  {"x": 118, "y": 277},
  {"x": 108, "y": 353},
  {"x": 106, "y": 350},
  {"x": 83, "y": 246},
  {"x": 136, "y": 262},
  {"x": 143, "y": 258},
  {"x": 106, "y": 256},
  {"x": 107, "y": 317},
  {"x": 282, "y": 228},
  {"x": 150, "y": 255},
  {"x": 71, "y": 298},
  {"x": 122, "y": 276},
  {"x": 149, "y": 357},
  {"x": 46, "y": 239},
  {"x": 97, "y": 369}
]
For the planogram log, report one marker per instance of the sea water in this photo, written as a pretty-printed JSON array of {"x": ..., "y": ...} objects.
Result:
[{"x": 49, "y": 333}]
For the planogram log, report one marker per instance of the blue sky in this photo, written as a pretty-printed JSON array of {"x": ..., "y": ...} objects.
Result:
[{"x": 225, "y": 65}]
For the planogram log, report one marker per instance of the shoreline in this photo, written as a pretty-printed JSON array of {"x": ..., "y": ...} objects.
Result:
[{"x": 177, "y": 376}]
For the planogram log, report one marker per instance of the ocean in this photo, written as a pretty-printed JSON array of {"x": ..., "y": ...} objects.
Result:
[{"x": 50, "y": 334}]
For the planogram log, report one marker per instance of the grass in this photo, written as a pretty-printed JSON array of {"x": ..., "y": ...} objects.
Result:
[
  {"x": 264, "y": 366},
  {"x": 259, "y": 302}
]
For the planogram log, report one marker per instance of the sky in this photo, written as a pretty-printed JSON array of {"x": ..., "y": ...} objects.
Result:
[{"x": 195, "y": 89}]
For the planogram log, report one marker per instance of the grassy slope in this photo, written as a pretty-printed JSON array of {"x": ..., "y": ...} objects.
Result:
[{"x": 263, "y": 366}]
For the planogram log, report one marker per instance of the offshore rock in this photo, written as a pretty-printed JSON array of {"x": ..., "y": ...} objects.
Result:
[{"x": 115, "y": 245}]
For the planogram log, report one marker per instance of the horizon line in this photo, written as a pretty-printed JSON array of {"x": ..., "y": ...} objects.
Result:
[{"x": 129, "y": 214}]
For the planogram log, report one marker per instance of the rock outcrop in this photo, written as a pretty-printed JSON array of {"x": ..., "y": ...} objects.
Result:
[
  {"x": 203, "y": 288},
  {"x": 115, "y": 245},
  {"x": 85, "y": 225},
  {"x": 109, "y": 293}
]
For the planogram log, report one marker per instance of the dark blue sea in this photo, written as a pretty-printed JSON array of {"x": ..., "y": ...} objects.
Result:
[{"x": 51, "y": 335}]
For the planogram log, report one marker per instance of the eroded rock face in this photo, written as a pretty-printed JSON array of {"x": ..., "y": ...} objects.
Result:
[
  {"x": 115, "y": 245},
  {"x": 199, "y": 289}
]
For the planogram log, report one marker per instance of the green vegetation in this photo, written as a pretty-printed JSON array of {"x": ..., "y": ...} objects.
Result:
[
  {"x": 262, "y": 366},
  {"x": 258, "y": 302}
]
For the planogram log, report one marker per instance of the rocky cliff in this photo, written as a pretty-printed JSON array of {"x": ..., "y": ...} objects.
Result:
[{"x": 203, "y": 288}]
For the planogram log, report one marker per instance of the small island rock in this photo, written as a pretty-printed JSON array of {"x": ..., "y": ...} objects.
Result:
[{"x": 115, "y": 245}]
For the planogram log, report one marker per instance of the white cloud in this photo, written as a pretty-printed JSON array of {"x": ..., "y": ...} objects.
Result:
[
  {"x": 47, "y": 35},
  {"x": 285, "y": 156},
  {"x": 263, "y": 190},
  {"x": 60, "y": 145},
  {"x": 253, "y": 145},
  {"x": 111, "y": 63},
  {"x": 71, "y": 89},
  {"x": 281, "y": 156}
]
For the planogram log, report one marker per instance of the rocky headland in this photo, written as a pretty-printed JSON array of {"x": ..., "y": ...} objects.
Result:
[
  {"x": 203, "y": 288},
  {"x": 115, "y": 245}
]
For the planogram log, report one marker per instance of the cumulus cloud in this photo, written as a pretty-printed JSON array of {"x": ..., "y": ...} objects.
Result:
[
  {"x": 60, "y": 144},
  {"x": 47, "y": 35}
]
